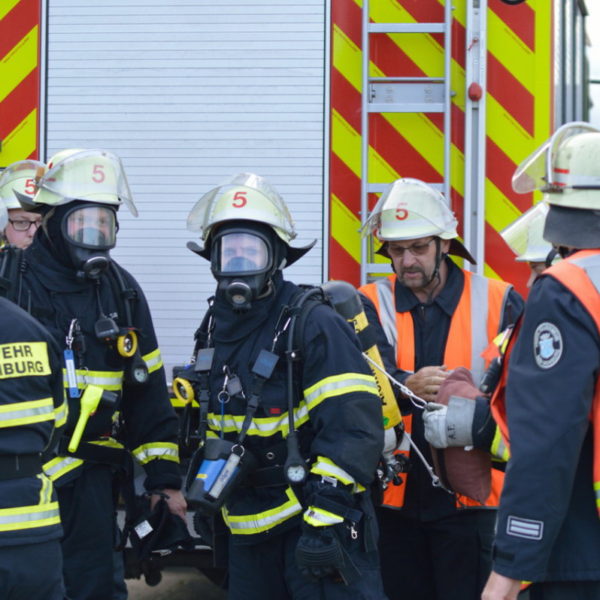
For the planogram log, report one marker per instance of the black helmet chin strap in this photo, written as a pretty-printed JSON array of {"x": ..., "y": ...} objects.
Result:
[{"x": 436, "y": 271}]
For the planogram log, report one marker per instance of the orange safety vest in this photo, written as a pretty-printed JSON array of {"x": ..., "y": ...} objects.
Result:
[
  {"x": 580, "y": 274},
  {"x": 475, "y": 323}
]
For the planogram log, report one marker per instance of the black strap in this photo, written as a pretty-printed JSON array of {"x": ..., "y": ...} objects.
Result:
[
  {"x": 341, "y": 510},
  {"x": 20, "y": 465}
]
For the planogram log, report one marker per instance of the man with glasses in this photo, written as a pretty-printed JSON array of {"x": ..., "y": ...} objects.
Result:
[
  {"x": 431, "y": 317},
  {"x": 22, "y": 225}
]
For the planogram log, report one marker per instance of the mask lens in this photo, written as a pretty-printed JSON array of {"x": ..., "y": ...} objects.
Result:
[
  {"x": 92, "y": 227},
  {"x": 242, "y": 253}
]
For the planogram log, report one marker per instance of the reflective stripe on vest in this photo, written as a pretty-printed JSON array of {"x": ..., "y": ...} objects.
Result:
[
  {"x": 474, "y": 324},
  {"x": 580, "y": 273},
  {"x": 29, "y": 517}
]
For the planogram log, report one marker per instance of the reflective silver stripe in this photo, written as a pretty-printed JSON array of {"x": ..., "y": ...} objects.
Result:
[
  {"x": 23, "y": 413},
  {"x": 337, "y": 385},
  {"x": 151, "y": 451},
  {"x": 479, "y": 318},
  {"x": 153, "y": 360},
  {"x": 256, "y": 523},
  {"x": 59, "y": 466},
  {"x": 28, "y": 517},
  {"x": 318, "y": 517},
  {"x": 328, "y": 468},
  {"x": 263, "y": 427},
  {"x": 387, "y": 311},
  {"x": 591, "y": 266},
  {"x": 111, "y": 380}
]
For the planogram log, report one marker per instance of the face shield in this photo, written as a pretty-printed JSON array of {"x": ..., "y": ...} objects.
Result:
[
  {"x": 90, "y": 232},
  {"x": 93, "y": 227},
  {"x": 539, "y": 171},
  {"x": 524, "y": 236},
  {"x": 242, "y": 254}
]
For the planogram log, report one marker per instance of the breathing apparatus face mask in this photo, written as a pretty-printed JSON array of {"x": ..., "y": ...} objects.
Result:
[
  {"x": 242, "y": 263},
  {"x": 90, "y": 233}
]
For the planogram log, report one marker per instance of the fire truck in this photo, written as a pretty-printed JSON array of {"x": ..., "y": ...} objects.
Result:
[{"x": 331, "y": 100}]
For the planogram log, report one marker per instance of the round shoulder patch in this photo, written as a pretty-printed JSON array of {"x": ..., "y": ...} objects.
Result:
[{"x": 547, "y": 345}]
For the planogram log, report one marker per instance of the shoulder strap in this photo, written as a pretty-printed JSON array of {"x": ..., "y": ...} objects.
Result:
[
  {"x": 11, "y": 266},
  {"x": 125, "y": 295},
  {"x": 303, "y": 304}
]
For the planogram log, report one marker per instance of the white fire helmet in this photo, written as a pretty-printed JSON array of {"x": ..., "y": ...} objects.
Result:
[
  {"x": 524, "y": 236},
  {"x": 94, "y": 176},
  {"x": 410, "y": 209},
  {"x": 20, "y": 177},
  {"x": 566, "y": 168},
  {"x": 244, "y": 196}
]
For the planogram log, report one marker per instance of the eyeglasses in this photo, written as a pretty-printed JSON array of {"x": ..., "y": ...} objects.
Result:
[
  {"x": 418, "y": 249},
  {"x": 23, "y": 224}
]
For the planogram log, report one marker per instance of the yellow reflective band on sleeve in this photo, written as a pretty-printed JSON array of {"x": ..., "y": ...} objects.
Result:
[
  {"x": 338, "y": 385},
  {"x": 61, "y": 413},
  {"x": 153, "y": 360},
  {"x": 317, "y": 517},
  {"x": 26, "y": 413},
  {"x": 257, "y": 523},
  {"x": 29, "y": 517},
  {"x": 60, "y": 466},
  {"x": 597, "y": 492},
  {"x": 107, "y": 443},
  {"x": 326, "y": 467},
  {"x": 24, "y": 359},
  {"x": 155, "y": 451},
  {"x": 499, "y": 450},
  {"x": 46, "y": 489},
  {"x": 107, "y": 380}
]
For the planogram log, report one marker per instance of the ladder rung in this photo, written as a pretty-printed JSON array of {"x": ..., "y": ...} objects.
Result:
[
  {"x": 377, "y": 188},
  {"x": 407, "y": 27},
  {"x": 379, "y": 268},
  {"x": 406, "y": 80},
  {"x": 421, "y": 107}
]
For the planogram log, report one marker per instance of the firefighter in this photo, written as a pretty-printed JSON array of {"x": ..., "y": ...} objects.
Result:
[
  {"x": 32, "y": 412},
  {"x": 549, "y": 515},
  {"x": 525, "y": 238},
  {"x": 21, "y": 225},
  {"x": 114, "y": 376},
  {"x": 309, "y": 430},
  {"x": 431, "y": 317}
]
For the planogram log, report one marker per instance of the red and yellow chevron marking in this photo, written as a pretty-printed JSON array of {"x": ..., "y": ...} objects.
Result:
[
  {"x": 411, "y": 145},
  {"x": 19, "y": 80}
]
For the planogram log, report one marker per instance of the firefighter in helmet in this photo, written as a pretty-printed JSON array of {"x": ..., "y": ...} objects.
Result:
[
  {"x": 432, "y": 317},
  {"x": 20, "y": 177},
  {"x": 549, "y": 517},
  {"x": 300, "y": 408},
  {"x": 525, "y": 238},
  {"x": 114, "y": 376}
]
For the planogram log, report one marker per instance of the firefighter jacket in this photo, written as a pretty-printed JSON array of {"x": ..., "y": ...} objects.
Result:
[
  {"x": 548, "y": 521},
  {"x": 54, "y": 296},
  {"x": 337, "y": 409},
  {"x": 453, "y": 330},
  {"x": 32, "y": 411}
]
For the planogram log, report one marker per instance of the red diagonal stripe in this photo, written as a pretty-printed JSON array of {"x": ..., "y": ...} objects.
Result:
[
  {"x": 510, "y": 93},
  {"x": 345, "y": 99},
  {"x": 347, "y": 15},
  {"x": 17, "y": 24},
  {"x": 519, "y": 18},
  {"x": 345, "y": 185},
  {"x": 342, "y": 265},
  {"x": 19, "y": 103}
]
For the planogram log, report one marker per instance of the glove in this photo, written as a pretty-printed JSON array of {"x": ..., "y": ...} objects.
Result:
[
  {"x": 449, "y": 426},
  {"x": 319, "y": 553}
]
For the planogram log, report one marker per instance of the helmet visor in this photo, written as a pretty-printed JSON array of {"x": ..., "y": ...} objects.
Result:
[
  {"x": 242, "y": 253},
  {"x": 536, "y": 172},
  {"x": 91, "y": 227},
  {"x": 524, "y": 235},
  {"x": 92, "y": 175}
]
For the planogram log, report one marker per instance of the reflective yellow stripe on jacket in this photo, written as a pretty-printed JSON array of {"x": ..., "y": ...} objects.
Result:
[
  {"x": 26, "y": 413},
  {"x": 156, "y": 450},
  {"x": 257, "y": 523}
]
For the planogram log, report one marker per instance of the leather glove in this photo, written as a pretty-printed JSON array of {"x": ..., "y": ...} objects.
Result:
[
  {"x": 318, "y": 553},
  {"x": 449, "y": 426}
]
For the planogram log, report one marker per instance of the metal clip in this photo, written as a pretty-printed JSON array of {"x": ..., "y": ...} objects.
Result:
[{"x": 71, "y": 334}]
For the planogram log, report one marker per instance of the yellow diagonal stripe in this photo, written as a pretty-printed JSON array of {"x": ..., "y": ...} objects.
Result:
[
  {"x": 505, "y": 131},
  {"x": 6, "y": 6},
  {"x": 347, "y": 58},
  {"x": 18, "y": 63},
  {"x": 344, "y": 228},
  {"x": 345, "y": 142},
  {"x": 21, "y": 141}
]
